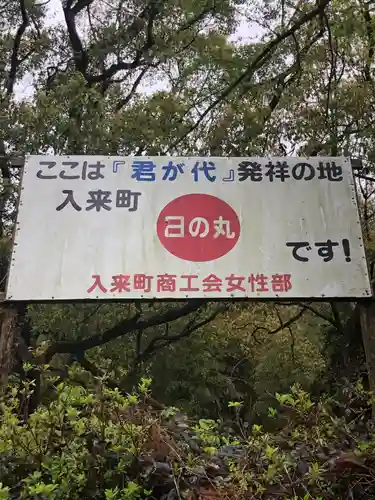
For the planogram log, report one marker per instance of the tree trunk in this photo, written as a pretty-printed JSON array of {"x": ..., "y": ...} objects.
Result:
[
  {"x": 9, "y": 331},
  {"x": 367, "y": 314}
]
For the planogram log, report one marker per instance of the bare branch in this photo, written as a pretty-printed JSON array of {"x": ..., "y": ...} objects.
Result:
[
  {"x": 328, "y": 318},
  {"x": 89, "y": 315},
  {"x": 283, "y": 325},
  {"x": 121, "y": 329},
  {"x": 365, "y": 177},
  {"x": 158, "y": 343},
  {"x": 124, "y": 102}
]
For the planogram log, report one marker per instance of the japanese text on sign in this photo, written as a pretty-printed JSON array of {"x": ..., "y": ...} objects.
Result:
[
  {"x": 101, "y": 227},
  {"x": 255, "y": 282},
  {"x": 147, "y": 171},
  {"x": 201, "y": 170}
]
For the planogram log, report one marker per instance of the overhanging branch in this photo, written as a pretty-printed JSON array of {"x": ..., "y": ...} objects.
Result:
[
  {"x": 283, "y": 325},
  {"x": 145, "y": 19},
  {"x": 158, "y": 343},
  {"x": 123, "y": 102},
  {"x": 121, "y": 329},
  {"x": 262, "y": 57}
]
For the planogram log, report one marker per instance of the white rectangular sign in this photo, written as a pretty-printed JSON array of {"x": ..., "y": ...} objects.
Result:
[{"x": 100, "y": 227}]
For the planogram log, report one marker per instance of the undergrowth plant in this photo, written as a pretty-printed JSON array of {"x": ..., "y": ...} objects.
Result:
[{"x": 99, "y": 443}]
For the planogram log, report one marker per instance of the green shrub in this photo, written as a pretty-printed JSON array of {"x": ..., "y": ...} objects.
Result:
[
  {"x": 80, "y": 445},
  {"x": 99, "y": 443}
]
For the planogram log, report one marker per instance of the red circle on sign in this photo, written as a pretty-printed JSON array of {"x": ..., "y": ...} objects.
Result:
[{"x": 198, "y": 227}]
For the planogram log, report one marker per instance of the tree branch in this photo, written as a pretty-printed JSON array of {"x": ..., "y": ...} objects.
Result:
[
  {"x": 283, "y": 325},
  {"x": 286, "y": 78},
  {"x": 262, "y": 57},
  {"x": 371, "y": 42},
  {"x": 336, "y": 316},
  {"x": 195, "y": 19},
  {"x": 80, "y": 5},
  {"x": 365, "y": 177},
  {"x": 121, "y": 329},
  {"x": 15, "y": 62},
  {"x": 124, "y": 102},
  {"x": 88, "y": 315},
  {"x": 332, "y": 70},
  {"x": 158, "y": 343},
  {"x": 80, "y": 55},
  {"x": 310, "y": 308}
]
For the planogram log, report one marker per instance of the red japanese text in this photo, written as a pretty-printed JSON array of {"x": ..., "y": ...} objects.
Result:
[{"x": 166, "y": 283}]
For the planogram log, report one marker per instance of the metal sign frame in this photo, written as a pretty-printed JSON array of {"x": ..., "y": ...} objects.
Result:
[{"x": 19, "y": 162}]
